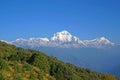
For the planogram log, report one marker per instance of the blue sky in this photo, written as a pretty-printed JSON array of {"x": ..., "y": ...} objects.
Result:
[{"x": 86, "y": 19}]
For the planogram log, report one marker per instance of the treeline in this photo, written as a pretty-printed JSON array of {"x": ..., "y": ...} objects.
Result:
[{"x": 20, "y": 64}]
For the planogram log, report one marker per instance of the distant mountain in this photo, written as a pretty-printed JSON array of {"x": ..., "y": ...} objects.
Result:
[
  {"x": 63, "y": 39},
  {"x": 20, "y": 64},
  {"x": 98, "y": 43},
  {"x": 96, "y": 54}
]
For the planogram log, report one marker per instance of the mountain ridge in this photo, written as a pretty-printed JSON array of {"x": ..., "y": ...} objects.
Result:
[{"x": 64, "y": 39}]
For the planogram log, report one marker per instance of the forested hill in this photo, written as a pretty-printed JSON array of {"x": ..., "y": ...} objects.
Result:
[{"x": 20, "y": 64}]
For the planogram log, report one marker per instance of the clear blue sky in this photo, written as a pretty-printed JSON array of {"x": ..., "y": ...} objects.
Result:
[{"x": 86, "y": 19}]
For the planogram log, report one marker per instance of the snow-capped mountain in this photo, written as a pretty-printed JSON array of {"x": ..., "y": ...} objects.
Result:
[
  {"x": 64, "y": 36},
  {"x": 63, "y": 39},
  {"x": 98, "y": 43}
]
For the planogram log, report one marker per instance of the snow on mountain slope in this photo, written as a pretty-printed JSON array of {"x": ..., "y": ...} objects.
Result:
[
  {"x": 98, "y": 43},
  {"x": 63, "y": 39},
  {"x": 63, "y": 36}
]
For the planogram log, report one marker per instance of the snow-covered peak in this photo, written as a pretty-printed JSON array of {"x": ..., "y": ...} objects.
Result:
[
  {"x": 103, "y": 40},
  {"x": 39, "y": 39},
  {"x": 98, "y": 43},
  {"x": 45, "y": 39},
  {"x": 20, "y": 40},
  {"x": 99, "y": 40},
  {"x": 64, "y": 32},
  {"x": 63, "y": 36}
]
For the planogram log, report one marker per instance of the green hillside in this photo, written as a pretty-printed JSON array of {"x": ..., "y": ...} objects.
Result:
[{"x": 20, "y": 64}]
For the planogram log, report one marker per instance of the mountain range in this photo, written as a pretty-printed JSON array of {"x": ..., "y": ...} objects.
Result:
[
  {"x": 63, "y": 39},
  {"x": 98, "y": 54}
]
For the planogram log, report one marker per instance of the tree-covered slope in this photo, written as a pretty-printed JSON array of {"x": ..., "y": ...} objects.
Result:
[{"x": 20, "y": 64}]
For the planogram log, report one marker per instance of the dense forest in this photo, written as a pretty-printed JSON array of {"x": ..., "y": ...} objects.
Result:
[{"x": 21, "y": 64}]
